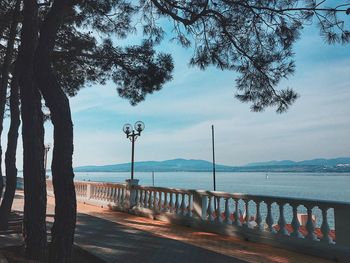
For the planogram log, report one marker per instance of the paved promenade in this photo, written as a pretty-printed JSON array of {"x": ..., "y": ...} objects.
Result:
[{"x": 120, "y": 237}]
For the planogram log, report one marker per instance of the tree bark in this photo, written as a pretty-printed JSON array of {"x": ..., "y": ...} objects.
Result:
[
  {"x": 62, "y": 172},
  {"x": 33, "y": 138},
  {"x": 10, "y": 156},
  {"x": 5, "y": 76}
]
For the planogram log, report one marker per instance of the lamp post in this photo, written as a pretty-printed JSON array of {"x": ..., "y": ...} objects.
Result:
[
  {"x": 47, "y": 148},
  {"x": 132, "y": 134}
]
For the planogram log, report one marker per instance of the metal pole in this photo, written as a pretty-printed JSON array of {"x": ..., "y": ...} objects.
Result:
[
  {"x": 212, "y": 136},
  {"x": 132, "y": 155}
]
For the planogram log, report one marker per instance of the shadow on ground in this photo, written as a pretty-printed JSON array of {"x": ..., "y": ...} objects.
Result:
[
  {"x": 13, "y": 235},
  {"x": 116, "y": 243}
]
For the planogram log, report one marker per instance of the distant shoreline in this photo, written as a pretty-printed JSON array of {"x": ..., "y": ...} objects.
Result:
[
  {"x": 338, "y": 165},
  {"x": 201, "y": 171}
]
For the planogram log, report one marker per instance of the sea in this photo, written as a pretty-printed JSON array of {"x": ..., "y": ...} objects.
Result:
[{"x": 318, "y": 186}]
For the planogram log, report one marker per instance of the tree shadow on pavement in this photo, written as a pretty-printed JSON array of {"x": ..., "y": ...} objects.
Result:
[{"x": 117, "y": 243}]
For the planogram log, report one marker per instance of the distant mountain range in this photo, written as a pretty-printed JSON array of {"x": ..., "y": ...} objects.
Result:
[
  {"x": 177, "y": 165},
  {"x": 320, "y": 161}
]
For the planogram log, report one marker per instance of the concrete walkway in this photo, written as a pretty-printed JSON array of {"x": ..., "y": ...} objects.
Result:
[{"x": 120, "y": 237}]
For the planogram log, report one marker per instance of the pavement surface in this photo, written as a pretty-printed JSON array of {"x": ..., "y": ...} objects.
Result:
[{"x": 120, "y": 237}]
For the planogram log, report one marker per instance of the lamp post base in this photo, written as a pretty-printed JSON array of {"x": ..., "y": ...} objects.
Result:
[{"x": 131, "y": 192}]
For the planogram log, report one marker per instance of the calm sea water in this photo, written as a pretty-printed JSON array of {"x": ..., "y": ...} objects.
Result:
[{"x": 319, "y": 186}]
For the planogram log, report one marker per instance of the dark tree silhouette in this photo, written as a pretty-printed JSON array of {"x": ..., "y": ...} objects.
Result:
[
  {"x": 11, "y": 174},
  {"x": 33, "y": 138},
  {"x": 10, "y": 156},
  {"x": 5, "y": 69}
]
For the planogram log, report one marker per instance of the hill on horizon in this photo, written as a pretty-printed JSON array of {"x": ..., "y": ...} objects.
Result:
[
  {"x": 189, "y": 165},
  {"x": 318, "y": 161},
  {"x": 148, "y": 166}
]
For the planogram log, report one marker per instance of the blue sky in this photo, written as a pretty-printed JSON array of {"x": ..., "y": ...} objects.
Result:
[{"x": 178, "y": 118}]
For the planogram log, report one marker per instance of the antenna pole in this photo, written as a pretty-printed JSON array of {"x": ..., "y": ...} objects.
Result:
[{"x": 213, "y": 143}]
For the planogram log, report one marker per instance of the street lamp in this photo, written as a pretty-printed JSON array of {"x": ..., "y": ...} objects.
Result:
[{"x": 132, "y": 134}]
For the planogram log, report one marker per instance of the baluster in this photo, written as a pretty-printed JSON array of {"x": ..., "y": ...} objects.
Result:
[
  {"x": 155, "y": 200},
  {"x": 237, "y": 221},
  {"x": 210, "y": 209},
  {"x": 139, "y": 199},
  {"x": 282, "y": 221},
  {"x": 107, "y": 193},
  {"x": 95, "y": 192},
  {"x": 145, "y": 196},
  {"x": 160, "y": 201},
  {"x": 115, "y": 193},
  {"x": 123, "y": 196},
  {"x": 149, "y": 199},
  {"x": 110, "y": 194},
  {"x": 295, "y": 223},
  {"x": 190, "y": 205},
  {"x": 227, "y": 219},
  {"x": 107, "y": 189},
  {"x": 101, "y": 192},
  {"x": 183, "y": 206},
  {"x": 269, "y": 219},
  {"x": 92, "y": 191},
  {"x": 258, "y": 219},
  {"x": 166, "y": 208},
  {"x": 218, "y": 218},
  {"x": 310, "y": 227},
  {"x": 118, "y": 196},
  {"x": 176, "y": 203},
  {"x": 98, "y": 192},
  {"x": 137, "y": 194},
  {"x": 144, "y": 203},
  {"x": 246, "y": 219},
  {"x": 171, "y": 203},
  {"x": 325, "y": 227}
]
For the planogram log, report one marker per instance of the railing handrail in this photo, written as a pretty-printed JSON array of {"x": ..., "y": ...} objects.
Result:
[
  {"x": 101, "y": 183},
  {"x": 265, "y": 198}
]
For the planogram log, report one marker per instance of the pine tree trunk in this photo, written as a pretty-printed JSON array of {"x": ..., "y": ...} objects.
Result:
[
  {"x": 33, "y": 138},
  {"x": 62, "y": 172},
  {"x": 5, "y": 76},
  {"x": 10, "y": 156}
]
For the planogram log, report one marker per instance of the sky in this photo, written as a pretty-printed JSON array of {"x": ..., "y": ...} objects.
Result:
[{"x": 178, "y": 118}]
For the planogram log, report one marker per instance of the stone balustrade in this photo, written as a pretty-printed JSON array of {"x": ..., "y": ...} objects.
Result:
[{"x": 310, "y": 226}]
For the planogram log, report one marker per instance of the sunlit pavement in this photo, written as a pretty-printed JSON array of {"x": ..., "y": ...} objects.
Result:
[{"x": 120, "y": 237}]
